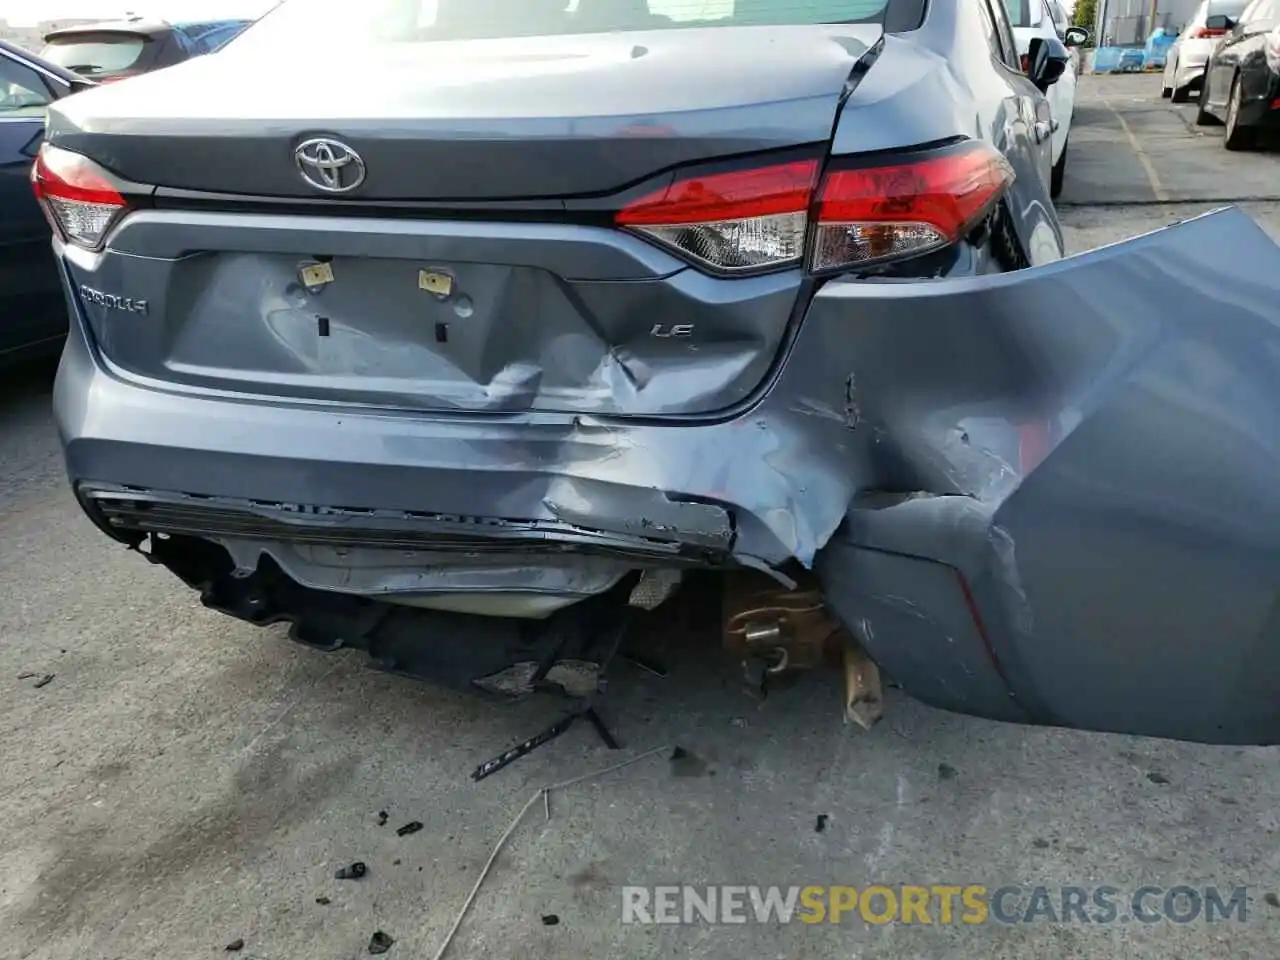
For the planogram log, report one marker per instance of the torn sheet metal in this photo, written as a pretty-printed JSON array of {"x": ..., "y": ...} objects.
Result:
[{"x": 1094, "y": 447}]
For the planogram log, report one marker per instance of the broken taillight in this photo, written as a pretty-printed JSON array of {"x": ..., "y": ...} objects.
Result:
[
  {"x": 78, "y": 197},
  {"x": 760, "y": 218},
  {"x": 870, "y": 214},
  {"x": 741, "y": 220}
]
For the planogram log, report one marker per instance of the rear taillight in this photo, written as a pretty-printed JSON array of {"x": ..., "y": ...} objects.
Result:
[
  {"x": 1205, "y": 32},
  {"x": 78, "y": 197},
  {"x": 751, "y": 220},
  {"x": 743, "y": 220},
  {"x": 872, "y": 214}
]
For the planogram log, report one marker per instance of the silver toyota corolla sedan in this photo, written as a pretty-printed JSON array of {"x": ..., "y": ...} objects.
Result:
[{"x": 464, "y": 332}]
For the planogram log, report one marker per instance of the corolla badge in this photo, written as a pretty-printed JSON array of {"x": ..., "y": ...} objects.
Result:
[
  {"x": 329, "y": 165},
  {"x": 112, "y": 302}
]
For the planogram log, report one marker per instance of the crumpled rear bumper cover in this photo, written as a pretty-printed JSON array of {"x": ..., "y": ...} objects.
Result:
[
  {"x": 1045, "y": 496},
  {"x": 766, "y": 486}
]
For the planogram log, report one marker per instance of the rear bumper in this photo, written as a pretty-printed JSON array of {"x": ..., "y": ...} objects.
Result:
[
  {"x": 1044, "y": 496},
  {"x": 1188, "y": 74},
  {"x": 769, "y": 485}
]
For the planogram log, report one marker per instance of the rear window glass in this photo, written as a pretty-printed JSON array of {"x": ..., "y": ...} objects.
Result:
[
  {"x": 96, "y": 55},
  {"x": 1023, "y": 13},
  {"x": 409, "y": 20},
  {"x": 22, "y": 92}
]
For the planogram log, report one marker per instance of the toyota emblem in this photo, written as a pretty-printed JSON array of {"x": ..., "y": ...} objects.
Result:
[{"x": 329, "y": 165}]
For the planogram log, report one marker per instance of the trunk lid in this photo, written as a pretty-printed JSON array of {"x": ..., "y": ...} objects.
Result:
[
  {"x": 508, "y": 307},
  {"x": 479, "y": 119}
]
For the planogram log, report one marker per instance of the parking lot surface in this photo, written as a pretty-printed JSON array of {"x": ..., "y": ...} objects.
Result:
[{"x": 185, "y": 780}]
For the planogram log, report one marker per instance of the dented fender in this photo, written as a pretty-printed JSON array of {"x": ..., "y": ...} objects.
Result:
[{"x": 1082, "y": 465}]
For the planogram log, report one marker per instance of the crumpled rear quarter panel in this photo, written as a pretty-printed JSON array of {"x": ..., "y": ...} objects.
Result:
[{"x": 1091, "y": 453}]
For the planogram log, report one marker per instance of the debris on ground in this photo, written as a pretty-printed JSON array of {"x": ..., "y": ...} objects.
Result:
[
  {"x": 686, "y": 764},
  {"x": 1040, "y": 843},
  {"x": 1156, "y": 777},
  {"x": 235, "y": 946},
  {"x": 550, "y": 919},
  {"x": 822, "y": 823},
  {"x": 353, "y": 872},
  {"x": 413, "y": 826},
  {"x": 382, "y": 818},
  {"x": 1272, "y": 900},
  {"x": 395, "y": 863},
  {"x": 323, "y": 901},
  {"x": 543, "y": 794},
  {"x": 43, "y": 681},
  {"x": 27, "y": 675},
  {"x": 380, "y": 942},
  {"x": 946, "y": 771}
]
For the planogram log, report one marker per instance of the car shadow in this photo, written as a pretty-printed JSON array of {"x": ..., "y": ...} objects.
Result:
[{"x": 27, "y": 385}]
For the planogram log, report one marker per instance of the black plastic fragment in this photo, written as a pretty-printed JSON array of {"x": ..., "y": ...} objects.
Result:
[
  {"x": 382, "y": 818},
  {"x": 380, "y": 942},
  {"x": 353, "y": 872},
  {"x": 323, "y": 901},
  {"x": 413, "y": 826},
  {"x": 550, "y": 920},
  {"x": 821, "y": 823},
  {"x": 43, "y": 681},
  {"x": 235, "y": 946},
  {"x": 946, "y": 771}
]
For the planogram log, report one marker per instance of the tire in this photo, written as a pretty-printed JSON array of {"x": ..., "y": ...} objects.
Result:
[
  {"x": 1059, "y": 171},
  {"x": 1236, "y": 136},
  {"x": 1181, "y": 94},
  {"x": 1203, "y": 117},
  {"x": 1005, "y": 247},
  {"x": 1166, "y": 92}
]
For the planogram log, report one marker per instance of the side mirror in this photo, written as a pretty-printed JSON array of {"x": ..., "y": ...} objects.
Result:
[
  {"x": 1047, "y": 60},
  {"x": 1075, "y": 37},
  {"x": 1219, "y": 21}
]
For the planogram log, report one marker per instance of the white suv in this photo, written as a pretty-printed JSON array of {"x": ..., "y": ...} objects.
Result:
[{"x": 1047, "y": 18}]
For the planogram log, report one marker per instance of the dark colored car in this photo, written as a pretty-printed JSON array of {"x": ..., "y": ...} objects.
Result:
[
  {"x": 33, "y": 311},
  {"x": 114, "y": 51},
  {"x": 1242, "y": 80},
  {"x": 590, "y": 310}
]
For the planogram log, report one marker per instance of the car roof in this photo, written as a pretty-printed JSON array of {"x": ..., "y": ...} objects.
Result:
[{"x": 62, "y": 73}]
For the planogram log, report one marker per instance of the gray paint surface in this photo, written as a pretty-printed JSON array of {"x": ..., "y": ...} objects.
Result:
[{"x": 537, "y": 117}]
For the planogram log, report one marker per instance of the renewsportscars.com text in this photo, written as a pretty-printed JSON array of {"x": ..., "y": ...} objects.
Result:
[{"x": 969, "y": 904}]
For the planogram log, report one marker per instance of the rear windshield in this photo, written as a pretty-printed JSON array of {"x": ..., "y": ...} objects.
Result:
[
  {"x": 95, "y": 55},
  {"x": 409, "y": 20}
]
